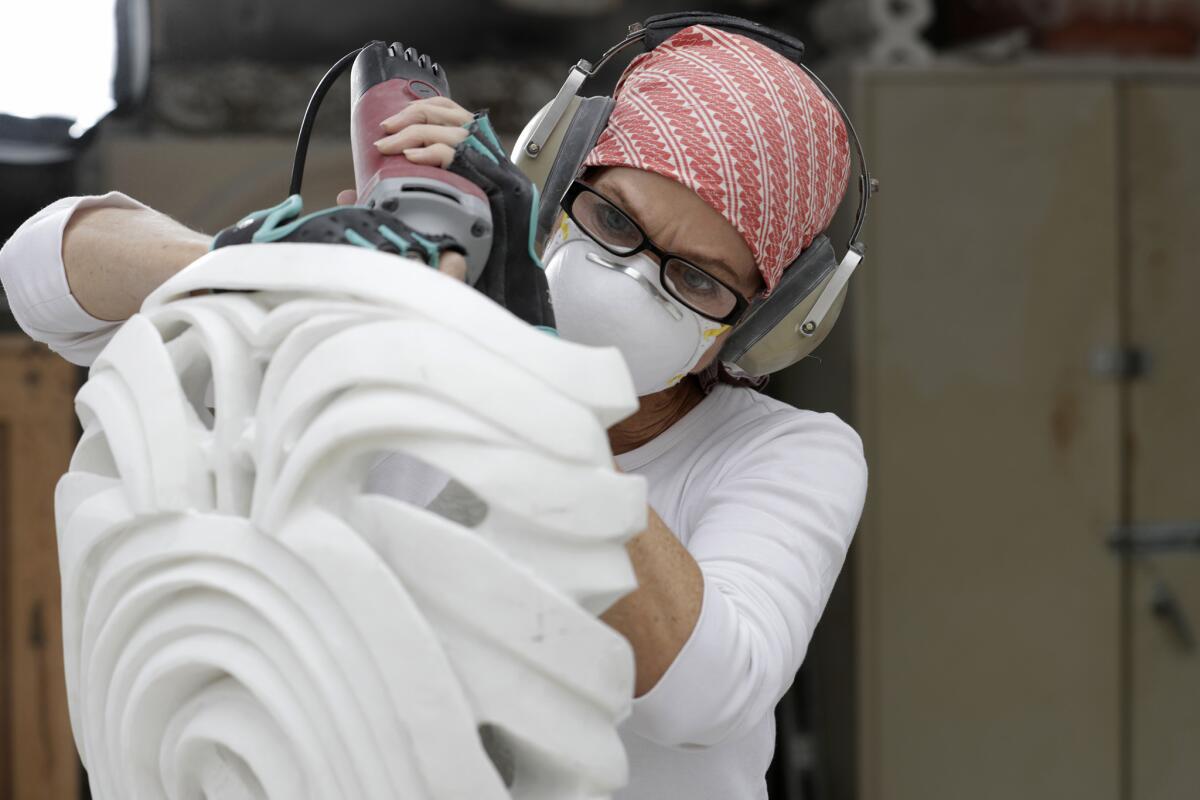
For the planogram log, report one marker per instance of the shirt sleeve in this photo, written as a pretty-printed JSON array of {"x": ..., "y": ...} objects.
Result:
[
  {"x": 770, "y": 537},
  {"x": 35, "y": 281}
]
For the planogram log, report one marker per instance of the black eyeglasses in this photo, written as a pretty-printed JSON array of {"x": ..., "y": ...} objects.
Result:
[{"x": 613, "y": 229}]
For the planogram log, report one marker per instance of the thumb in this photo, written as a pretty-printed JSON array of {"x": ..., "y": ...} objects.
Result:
[{"x": 347, "y": 197}]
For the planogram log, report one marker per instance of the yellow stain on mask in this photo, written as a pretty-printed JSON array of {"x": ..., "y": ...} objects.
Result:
[
  {"x": 563, "y": 229},
  {"x": 715, "y": 332}
]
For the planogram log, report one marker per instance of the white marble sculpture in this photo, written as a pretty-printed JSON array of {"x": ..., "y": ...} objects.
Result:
[{"x": 242, "y": 619}]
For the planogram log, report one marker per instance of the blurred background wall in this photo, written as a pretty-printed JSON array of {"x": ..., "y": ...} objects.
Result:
[{"x": 1018, "y": 615}]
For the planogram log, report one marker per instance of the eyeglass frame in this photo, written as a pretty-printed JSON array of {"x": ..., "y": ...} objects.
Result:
[{"x": 578, "y": 187}]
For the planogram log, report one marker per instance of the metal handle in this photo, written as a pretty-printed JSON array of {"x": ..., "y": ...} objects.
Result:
[{"x": 1163, "y": 537}]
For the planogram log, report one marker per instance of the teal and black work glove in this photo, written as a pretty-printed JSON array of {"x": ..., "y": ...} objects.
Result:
[
  {"x": 357, "y": 225},
  {"x": 514, "y": 276}
]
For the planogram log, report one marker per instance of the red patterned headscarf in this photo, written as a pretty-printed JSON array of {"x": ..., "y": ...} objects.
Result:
[{"x": 742, "y": 127}]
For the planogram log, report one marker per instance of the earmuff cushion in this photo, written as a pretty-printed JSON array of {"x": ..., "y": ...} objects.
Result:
[
  {"x": 583, "y": 129},
  {"x": 799, "y": 280}
]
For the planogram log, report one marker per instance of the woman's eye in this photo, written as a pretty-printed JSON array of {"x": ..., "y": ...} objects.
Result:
[
  {"x": 613, "y": 221},
  {"x": 698, "y": 282}
]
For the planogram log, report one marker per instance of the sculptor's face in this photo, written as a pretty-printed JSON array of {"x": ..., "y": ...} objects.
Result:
[{"x": 680, "y": 222}]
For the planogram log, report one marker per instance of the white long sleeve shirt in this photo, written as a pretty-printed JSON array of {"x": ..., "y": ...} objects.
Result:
[{"x": 764, "y": 496}]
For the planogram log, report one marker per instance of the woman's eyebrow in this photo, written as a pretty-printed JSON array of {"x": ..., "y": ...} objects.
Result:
[
  {"x": 615, "y": 190},
  {"x": 699, "y": 259}
]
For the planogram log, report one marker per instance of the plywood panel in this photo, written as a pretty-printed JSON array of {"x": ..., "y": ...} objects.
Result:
[
  {"x": 1163, "y": 128},
  {"x": 988, "y": 602},
  {"x": 37, "y": 433}
]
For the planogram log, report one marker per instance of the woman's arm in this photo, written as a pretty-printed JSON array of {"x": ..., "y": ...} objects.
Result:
[
  {"x": 658, "y": 617},
  {"x": 769, "y": 536},
  {"x": 115, "y": 257},
  {"x": 115, "y": 249}
]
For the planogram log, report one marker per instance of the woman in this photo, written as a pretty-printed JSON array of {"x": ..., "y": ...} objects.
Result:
[{"x": 719, "y": 165}]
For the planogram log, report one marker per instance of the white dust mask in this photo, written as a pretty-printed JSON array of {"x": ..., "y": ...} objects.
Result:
[{"x": 605, "y": 300}]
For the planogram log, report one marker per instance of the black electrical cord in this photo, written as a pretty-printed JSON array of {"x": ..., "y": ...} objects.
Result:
[{"x": 310, "y": 116}]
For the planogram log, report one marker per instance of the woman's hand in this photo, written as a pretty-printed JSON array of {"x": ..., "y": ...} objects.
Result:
[
  {"x": 438, "y": 132},
  {"x": 425, "y": 132},
  {"x": 514, "y": 276}
]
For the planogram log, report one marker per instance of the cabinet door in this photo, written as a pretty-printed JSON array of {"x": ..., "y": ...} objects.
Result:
[
  {"x": 1163, "y": 130},
  {"x": 988, "y": 599},
  {"x": 37, "y": 435}
]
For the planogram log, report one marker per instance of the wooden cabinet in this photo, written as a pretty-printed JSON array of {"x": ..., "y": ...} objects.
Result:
[
  {"x": 37, "y": 435},
  {"x": 1036, "y": 232},
  {"x": 1162, "y": 128}
]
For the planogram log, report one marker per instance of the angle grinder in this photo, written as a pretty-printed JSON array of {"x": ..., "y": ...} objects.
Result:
[{"x": 385, "y": 78}]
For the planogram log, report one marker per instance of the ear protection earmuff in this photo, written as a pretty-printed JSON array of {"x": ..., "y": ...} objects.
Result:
[{"x": 776, "y": 331}]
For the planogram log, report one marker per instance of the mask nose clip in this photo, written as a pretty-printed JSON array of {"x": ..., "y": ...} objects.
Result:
[{"x": 642, "y": 281}]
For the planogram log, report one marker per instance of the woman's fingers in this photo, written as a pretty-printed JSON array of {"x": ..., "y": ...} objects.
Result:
[
  {"x": 426, "y": 131},
  {"x": 430, "y": 111},
  {"x": 453, "y": 264},
  {"x": 422, "y": 135},
  {"x": 347, "y": 197},
  {"x": 434, "y": 155}
]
